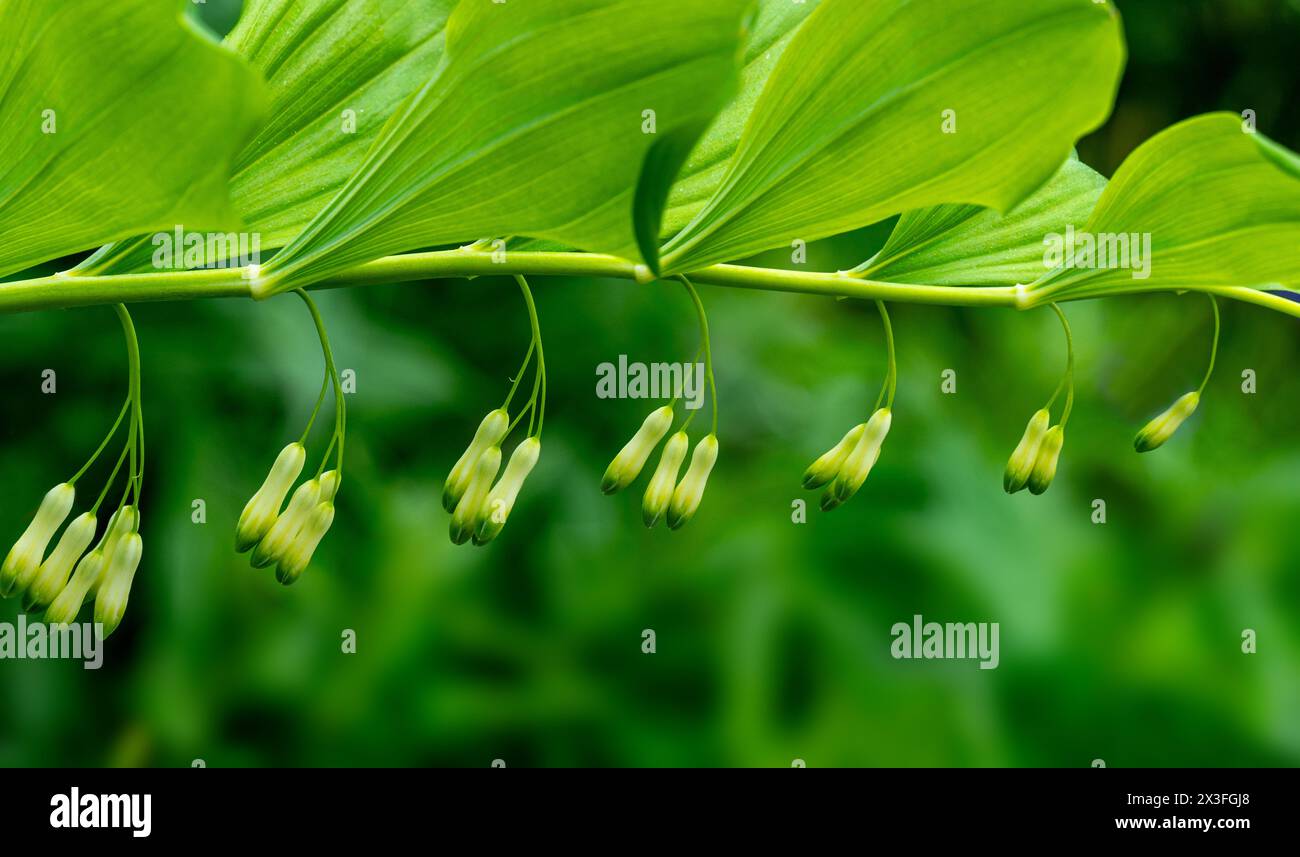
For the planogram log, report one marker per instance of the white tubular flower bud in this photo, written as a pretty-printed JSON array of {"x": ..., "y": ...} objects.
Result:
[
  {"x": 659, "y": 493},
  {"x": 1155, "y": 433},
  {"x": 468, "y": 511},
  {"x": 115, "y": 588},
  {"x": 626, "y": 466},
  {"x": 826, "y": 468},
  {"x": 286, "y": 527},
  {"x": 56, "y": 570},
  {"x": 690, "y": 491},
  {"x": 299, "y": 554},
  {"x": 263, "y": 509},
  {"x": 501, "y": 500},
  {"x": 27, "y": 554},
  {"x": 490, "y": 433},
  {"x": 1021, "y": 463},
  {"x": 66, "y": 605},
  {"x": 1040, "y": 479},
  {"x": 857, "y": 466}
]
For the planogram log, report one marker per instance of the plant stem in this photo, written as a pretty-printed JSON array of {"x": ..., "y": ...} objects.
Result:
[
  {"x": 68, "y": 290},
  {"x": 1067, "y": 381},
  {"x": 707, "y": 344},
  {"x": 1214, "y": 349},
  {"x": 891, "y": 376},
  {"x": 340, "y": 409}
]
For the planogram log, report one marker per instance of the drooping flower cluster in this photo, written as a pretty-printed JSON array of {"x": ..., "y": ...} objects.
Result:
[
  {"x": 61, "y": 581},
  {"x": 479, "y": 502},
  {"x": 845, "y": 467},
  {"x": 665, "y": 495},
  {"x": 287, "y": 536}
]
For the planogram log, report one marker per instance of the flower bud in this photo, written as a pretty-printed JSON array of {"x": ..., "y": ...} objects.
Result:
[
  {"x": 115, "y": 588},
  {"x": 626, "y": 466},
  {"x": 66, "y": 605},
  {"x": 263, "y": 509},
  {"x": 285, "y": 529},
  {"x": 1040, "y": 478},
  {"x": 298, "y": 555},
  {"x": 54, "y": 574},
  {"x": 501, "y": 500},
  {"x": 824, "y": 469},
  {"x": 659, "y": 493},
  {"x": 690, "y": 491},
  {"x": 1155, "y": 433},
  {"x": 857, "y": 466},
  {"x": 25, "y": 558},
  {"x": 124, "y": 521},
  {"x": 1021, "y": 463},
  {"x": 490, "y": 433},
  {"x": 466, "y": 516},
  {"x": 330, "y": 481}
]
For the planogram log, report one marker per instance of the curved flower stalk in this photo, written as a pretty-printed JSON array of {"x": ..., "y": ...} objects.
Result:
[
  {"x": 65, "y": 577},
  {"x": 665, "y": 496},
  {"x": 287, "y": 537},
  {"x": 1157, "y": 433},
  {"x": 479, "y": 509},
  {"x": 844, "y": 468},
  {"x": 1033, "y": 462}
]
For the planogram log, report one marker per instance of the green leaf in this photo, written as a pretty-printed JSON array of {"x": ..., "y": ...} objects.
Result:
[
  {"x": 965, "y": 245},
  {"x": 774, "y": 27},
  {"x": 119, "y": 118},
  {"x": 537, "y": 123},
  {"x": 1219, "y": 206},
  {"x": 336, "y": 71},
  {"x": 851, "y": 128}
]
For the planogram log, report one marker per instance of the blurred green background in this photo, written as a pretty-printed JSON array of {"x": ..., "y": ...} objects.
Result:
[{"x": 1119, "y": 641}]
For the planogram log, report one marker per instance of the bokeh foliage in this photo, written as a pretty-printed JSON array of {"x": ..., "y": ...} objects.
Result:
[{"x": 1118, "y": 641}]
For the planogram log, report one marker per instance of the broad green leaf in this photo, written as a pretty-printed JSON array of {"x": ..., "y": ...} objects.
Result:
[
  {"x": 119, "y": 118},
  {"x": 1218, "y": 206},
  {"x": 336, "y": 71},
  {"x": 881, "y": 106},
  {"x": 538, "y": 123},
  {"x": 774, "y": 26},
  {"x": 965, "y": 245}
]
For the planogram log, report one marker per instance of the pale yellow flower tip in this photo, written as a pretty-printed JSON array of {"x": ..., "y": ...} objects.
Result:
[
  {"x": 1040, "y": 479},
  {"x": 286, "y": 526},
  {"x": 115, "y": 589},
  {"x": 857, "y": 465},
  {"x": 467, "y": 513},
  {"x": 491, "y": 431},
  {"x": 262, "y": 510},
  {"x": 298, "y": 556},
  {"x": 1021, "y": 463},
  {"x": 1155, "y": 433},
  {"x": 501, "y": 500},
  {"x": 690, "y": 491},
  {"x": 659, "y": 493},
  {"x": 824, "y": 469},
  {"x": 56, "y": 570},
  {"x": 25, "y": 557}
]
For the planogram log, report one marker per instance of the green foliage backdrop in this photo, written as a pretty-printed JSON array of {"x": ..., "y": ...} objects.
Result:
[{"x": 1119, "y": 641}]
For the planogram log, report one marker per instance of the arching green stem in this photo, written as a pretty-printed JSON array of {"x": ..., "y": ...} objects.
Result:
[
  {"x": 1067, "y": 380},
  {"x": 707, "y": 344},
  {"x": 1214, "y": 348},
  {"x": 890, "y": 386}
]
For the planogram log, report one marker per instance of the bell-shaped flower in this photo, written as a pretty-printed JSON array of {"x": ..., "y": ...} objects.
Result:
[
  {"x": 1021, "y": 463},
  {"x": 501, "y": 499},
  {"x": 1040, "y": 478},
  {"x": 491, "y": 431},
  {"x": 1155, "y": 433},
  {"x": 626, "y": 466},
  {"x": 286, "y": 527},
  {"x": 57, "y": 568},
  {"x": 659, "y": 493},
  {"x": 27, "y": 554},
  {"x": 263, "y": 509},
  {"x": 690, "y": 491},
  {"x": 115, "y": 587},
  {"x": 298, "y": 555},
  {"x": 857, "y": 465},
  {"x": 826, "y": 468},
  {"x": 467, "y": 514}
]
